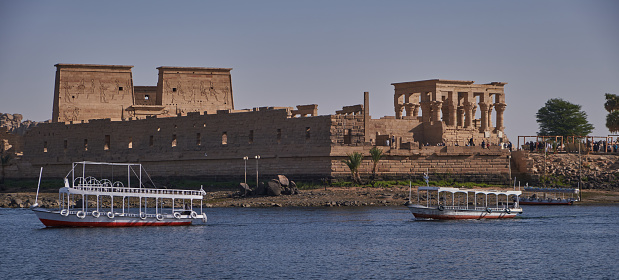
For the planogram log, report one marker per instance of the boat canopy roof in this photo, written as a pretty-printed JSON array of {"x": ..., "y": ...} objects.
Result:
[
  {"x": 551, "y": 190},
  {"x": 78, "y": 182},
  {"x": 465, "y": 190}
]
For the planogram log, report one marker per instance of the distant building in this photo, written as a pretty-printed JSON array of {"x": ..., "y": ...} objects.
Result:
[
  {"x": 187, "y": 126},
  {"x": 86, "y": 91}
]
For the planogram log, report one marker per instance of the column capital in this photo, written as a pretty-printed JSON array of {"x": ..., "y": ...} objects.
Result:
[
  {"x": 484, "y": 106},
  {"x": 500, "y": 107},
  {"x": 436, "y": 104}
]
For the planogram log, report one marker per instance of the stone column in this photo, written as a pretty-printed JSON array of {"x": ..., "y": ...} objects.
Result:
[
  {"x": 409, "y": 109},
  {"x": 484, "y": 116},
  {"x": 460, "y": 118},
  {"x": 436, "y": 110},
  {"x": 500, "y": 109},
  {"x": 446, "y": 112},
  {"x": 398, "y": 111},
  {"x": 416, "y": 110},
  {"x": 425, "y": 111},
  {"x": 397, "y": 105},
  {"x": 453, "y": 113},
  {"x": 468, "y": 114},
  {"x": 490, "y": 106}
]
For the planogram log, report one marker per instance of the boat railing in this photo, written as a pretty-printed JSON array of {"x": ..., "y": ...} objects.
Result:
[
  {"x": 131, "y": 215},
  {"x": 456, "y": 207},
  {"x": 475, "y": 208},
  {"x": 108, "y": 188}
]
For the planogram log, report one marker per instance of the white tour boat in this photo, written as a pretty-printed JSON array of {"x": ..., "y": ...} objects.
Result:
[
  {"x": 461, "y": 203},
  {"x": 127, "y": 202},
  {"x": 549, "y": 196}
]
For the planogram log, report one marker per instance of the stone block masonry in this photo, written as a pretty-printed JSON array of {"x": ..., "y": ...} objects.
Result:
[{"x": 187, "y": 126}]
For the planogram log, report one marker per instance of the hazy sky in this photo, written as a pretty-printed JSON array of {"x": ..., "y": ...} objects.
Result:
[{"x": 286, "y": 53}]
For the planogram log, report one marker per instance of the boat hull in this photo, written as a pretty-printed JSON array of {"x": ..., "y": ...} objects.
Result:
[
  {"x": 423, "y": 212},
  {"x": 51, "y": 218}
]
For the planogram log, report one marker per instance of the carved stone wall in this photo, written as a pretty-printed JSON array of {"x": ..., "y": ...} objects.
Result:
[
  {"x": 86, "y": 91},
  {"x": 195, "y": 89}
]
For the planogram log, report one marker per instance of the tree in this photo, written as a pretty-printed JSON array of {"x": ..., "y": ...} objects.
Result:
[
  {"x": 561, "y": 118},
  {"x": 353, "y": 162},
  {"x": 612, "y": 106},
  {"x": 376, "y": 154}
]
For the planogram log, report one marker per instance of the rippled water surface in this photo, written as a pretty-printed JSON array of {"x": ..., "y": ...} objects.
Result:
[{"x": 572, "y": 242}]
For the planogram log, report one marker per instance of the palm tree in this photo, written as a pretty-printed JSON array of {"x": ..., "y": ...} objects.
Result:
[
  {"x": 353, "y": 162},
  {"x": 376, "y": 154}
]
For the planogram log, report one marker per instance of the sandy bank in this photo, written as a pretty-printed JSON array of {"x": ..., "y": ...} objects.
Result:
[{"x": 330, "y": 197}]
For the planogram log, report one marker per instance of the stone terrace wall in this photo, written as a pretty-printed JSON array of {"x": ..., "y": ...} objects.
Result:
[
  {"x": 461, "y": 163},
  {"x": 195, "y": 146},
  {"x": 191, "y": 145}
]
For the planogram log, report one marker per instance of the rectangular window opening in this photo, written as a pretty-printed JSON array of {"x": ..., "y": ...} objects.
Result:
[
  {"x": 107, "y": 143},
  {"x": 173, "y": 89},
  {"x": 251, "y": 137},
  {"x": 173, "y": 140},
  {"x": 66, "y": 145},
  {"x": 347, "y": 136},
  {"x": 224, "y": 138},
  {"x": 198, "y": 139},
  {"x": 307, "y": 133},
  {"x": 45, "y": 146},
  {"x": 151, "y": 141},
  {"x": 130, "y": 145},
  {"x": 85, "y": 144},
  {"x": 120, "y": 88}
]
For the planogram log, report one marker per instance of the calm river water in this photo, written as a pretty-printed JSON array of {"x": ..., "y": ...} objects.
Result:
[{"x": 546, "y": 242}]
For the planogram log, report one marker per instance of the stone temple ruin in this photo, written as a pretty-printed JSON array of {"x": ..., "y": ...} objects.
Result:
[{"x": 187, "y": 125}]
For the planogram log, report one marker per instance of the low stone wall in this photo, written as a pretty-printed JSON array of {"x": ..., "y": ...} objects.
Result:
[
  {"x": 595, "y": 171},
  {"x": 463, "y": 164}
]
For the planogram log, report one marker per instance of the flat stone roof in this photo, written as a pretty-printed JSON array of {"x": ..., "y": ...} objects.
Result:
[
  {"x": 193, "y": 68},
  {"x": 100, "y": 66}
]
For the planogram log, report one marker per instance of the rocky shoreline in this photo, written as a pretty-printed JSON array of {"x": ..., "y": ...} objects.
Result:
[{"x": 329, "y": 197}]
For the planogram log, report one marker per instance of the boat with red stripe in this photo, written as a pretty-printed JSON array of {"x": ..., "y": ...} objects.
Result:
[
  {"x": 86, "y": 201},
  {"x": 448, "y": 203}
]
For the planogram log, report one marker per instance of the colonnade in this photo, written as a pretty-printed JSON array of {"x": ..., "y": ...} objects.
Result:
[{"x": 454, "y": 105}]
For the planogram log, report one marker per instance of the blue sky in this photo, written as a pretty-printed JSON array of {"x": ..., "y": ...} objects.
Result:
[{"x": 286, "y": 53}]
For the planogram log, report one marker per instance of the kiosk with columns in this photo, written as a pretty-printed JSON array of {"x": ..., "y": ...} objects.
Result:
[{"x": 447, "y": 109}]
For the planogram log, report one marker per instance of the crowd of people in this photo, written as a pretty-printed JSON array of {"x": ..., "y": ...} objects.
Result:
[{"x": 601, "y": 146}]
